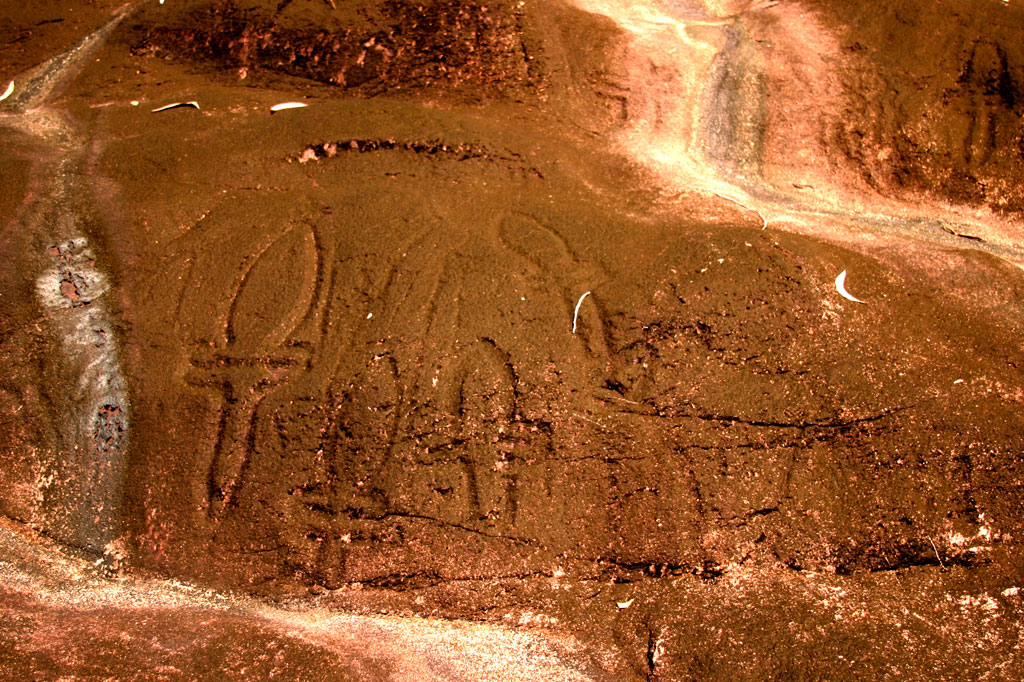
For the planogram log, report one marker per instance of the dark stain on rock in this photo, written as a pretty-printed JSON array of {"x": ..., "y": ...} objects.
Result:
[{"x": 396, "y": 45}]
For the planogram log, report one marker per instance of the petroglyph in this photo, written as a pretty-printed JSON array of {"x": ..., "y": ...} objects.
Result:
[
  {"x": 254, "y": 357},
  {"x": 386, "y": 421},
  {"x": 717, "y": 99}
]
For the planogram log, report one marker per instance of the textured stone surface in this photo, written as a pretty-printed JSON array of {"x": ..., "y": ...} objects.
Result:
[{"x": 336, "y": 362}]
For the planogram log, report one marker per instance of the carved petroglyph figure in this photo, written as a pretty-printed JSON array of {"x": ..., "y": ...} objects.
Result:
[{"x": 346, "y": 403}]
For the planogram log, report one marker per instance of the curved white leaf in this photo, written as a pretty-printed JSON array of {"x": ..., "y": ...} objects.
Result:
[
  {"x": 177, "y": 105},
  {"x": 841, "y": 288},
  {"x": 287, "y": 105},
  {"x": 575, "y": 313}
]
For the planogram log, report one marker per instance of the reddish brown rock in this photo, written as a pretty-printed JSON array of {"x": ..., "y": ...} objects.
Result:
[{"x": 491, "y": 331}]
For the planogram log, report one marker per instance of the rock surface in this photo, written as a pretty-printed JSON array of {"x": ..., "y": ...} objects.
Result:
[{"x": 518, "y": 353}]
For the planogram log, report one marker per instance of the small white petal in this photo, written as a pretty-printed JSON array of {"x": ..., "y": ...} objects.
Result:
[
  {"x": 177, "y": 105},
  {"x": 576, "y": 312},
  {"x": 841, "y": 288},
  {"x": 8, "y": 91},
  {"x": 287, "y": 105}
]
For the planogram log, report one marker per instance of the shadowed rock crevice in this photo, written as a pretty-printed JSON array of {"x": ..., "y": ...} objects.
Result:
[{"x": 431, "y": 149}]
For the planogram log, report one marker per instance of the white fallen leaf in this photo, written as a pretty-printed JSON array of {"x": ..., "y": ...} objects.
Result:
[
  {"x": 624, "y": 604},
  {"x": 287, "y": 105},
  {"x": 176, "y": 105},
  {"x": 135, "y": 102},
  {"x": 841, "y": 288},
  {"x": 575, "y": 313},
  {"x": 8, "y": 91}
]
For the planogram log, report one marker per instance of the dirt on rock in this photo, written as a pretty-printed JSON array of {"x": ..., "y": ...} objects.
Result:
[{"x": 451, "y": 358}]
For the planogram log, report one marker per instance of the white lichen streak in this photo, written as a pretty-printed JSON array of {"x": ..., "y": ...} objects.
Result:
[
  {"x": 81, "y": 486},
  {"x": 72, "y": 291}
]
